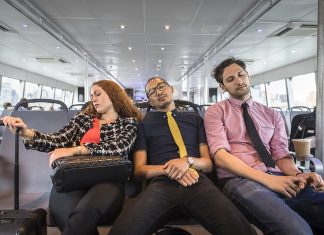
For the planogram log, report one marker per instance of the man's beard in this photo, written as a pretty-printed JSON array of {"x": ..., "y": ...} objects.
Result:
[
  {"x": 241, "y": 93},
  {"x": 164, "y": 105}
]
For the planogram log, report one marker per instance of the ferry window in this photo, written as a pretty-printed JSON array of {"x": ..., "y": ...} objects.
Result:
[
  {"x": 68, "y": 98},
  {"x": 47, "y": 92},
  {"x": 58, "y": 94},
  {"x": 32, "y": 90},
  {"x": 278, "y": 94},
  {"x": 259, "y": 94},
  {"x": 11, "y": 91},
  {"x": 224, "y": 95},
  {"x": 303, "y": 90}
]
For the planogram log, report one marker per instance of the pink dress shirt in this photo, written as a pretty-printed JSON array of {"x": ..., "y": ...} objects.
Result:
[{"x": 225, "y": 129}]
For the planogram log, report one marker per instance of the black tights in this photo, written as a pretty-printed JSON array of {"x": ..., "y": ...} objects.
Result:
[{"x": 80, "y": 212}]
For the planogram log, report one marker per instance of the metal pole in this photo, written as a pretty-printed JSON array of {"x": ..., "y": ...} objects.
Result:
[
  {"x": 206, "y": 88},
  {"x": 319, "y": 84},
  {"x": 86, "y": 82},
  {"x": 188, "y": 90}
]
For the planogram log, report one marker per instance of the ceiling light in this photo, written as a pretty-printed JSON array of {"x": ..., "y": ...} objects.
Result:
[
  {"x": 122, "y": 26},
  {"x": 129, "y": 48},
  {"x": 231, "y": 50},
  {"x": 162, "y": 48},
  {"x": 293, "y": 51},
  {"x": 259, "y": 30},
  {"x": 157, "y": 69},
  {"x": 133, "y": 61},
  {"x": 23, "y": 60},
  {"x": 25, "y": 25},
  {"x": 167, "y": 27},
  {"x": 136, "y": 69},
  {"x": 57, "y": 47},
  {"x": 160, "y": 61}
]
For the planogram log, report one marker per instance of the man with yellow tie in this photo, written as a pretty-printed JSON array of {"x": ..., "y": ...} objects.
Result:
[{"x": 171, "y": 153}]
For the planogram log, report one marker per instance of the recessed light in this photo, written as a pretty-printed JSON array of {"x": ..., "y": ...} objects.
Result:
[
  {"x": 293, "y": 51},
  {"x": 160, "y": 61},
  {"x": 25, "y": 25},
  {"x": 24, "y": 60},
  {"x": 231, "y": 50},
  {"x": 136, "y": 69},
  {"x": 122, "y": 26},
  {"x": 162, "y": 48},
  {"x": 129, "y": 48},
  {"x": 157, "y": 69},
  {"x": 57, "y": 47},
  {"x": 133, "y": 61},
  {"x": 167, "y": 27},
  {"x": 259, "y": 30}
]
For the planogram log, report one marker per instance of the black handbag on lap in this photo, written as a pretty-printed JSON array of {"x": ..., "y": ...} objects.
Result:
[{"x": 81, "y": 172}]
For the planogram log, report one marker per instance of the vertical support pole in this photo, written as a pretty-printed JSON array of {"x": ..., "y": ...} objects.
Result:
[
  {"x": 206, "y": 77},
  {"x": 319, "y": 84},
  {"x": 86, "y": 81}
]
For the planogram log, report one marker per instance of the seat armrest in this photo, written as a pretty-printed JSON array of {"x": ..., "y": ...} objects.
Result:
[{"x": 310, "y": 164}]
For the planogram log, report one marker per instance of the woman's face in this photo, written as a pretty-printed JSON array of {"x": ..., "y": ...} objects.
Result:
[{"x": 100, "y": 99}]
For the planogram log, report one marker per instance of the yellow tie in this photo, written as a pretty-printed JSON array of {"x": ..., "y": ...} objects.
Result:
[{"x": 176, "y": 134}]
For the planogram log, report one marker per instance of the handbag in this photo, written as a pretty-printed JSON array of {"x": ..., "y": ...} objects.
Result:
[{"x": 81, "y": 172}]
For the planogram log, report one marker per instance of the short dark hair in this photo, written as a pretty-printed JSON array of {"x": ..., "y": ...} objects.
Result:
[
  {"x": 152, "y": 78},
  {"x": 219, "y": 69}
]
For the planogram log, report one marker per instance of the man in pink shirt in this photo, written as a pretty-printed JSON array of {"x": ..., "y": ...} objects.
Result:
[{"x": 279, "y": 199}]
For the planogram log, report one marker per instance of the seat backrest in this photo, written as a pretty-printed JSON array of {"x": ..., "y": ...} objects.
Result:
[
  {"x": 72, "y": 113},
  {"x": 34, "y": 167}
]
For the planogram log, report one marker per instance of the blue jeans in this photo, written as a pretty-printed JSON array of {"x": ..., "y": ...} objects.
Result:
[
  {"x": 163, "y": 197},
  {"x": 275, "y": 214}
]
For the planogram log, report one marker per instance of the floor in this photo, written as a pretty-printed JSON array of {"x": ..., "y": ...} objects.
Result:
[{"x": 193, "y": 229}]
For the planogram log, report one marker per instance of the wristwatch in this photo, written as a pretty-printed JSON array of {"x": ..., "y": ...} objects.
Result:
[{"x": 190, "y": 161}]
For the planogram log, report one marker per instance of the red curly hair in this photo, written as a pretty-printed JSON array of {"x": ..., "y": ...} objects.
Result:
[{"x": 120, "y": 100}]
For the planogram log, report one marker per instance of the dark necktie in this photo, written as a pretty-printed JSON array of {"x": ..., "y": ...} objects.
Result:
[{"x": 256, "y": 140}]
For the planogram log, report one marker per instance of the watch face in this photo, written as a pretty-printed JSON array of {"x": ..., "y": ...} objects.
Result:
[{"x": 190, "y": 161}]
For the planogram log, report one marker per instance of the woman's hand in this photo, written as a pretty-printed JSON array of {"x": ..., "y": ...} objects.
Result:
[
  {"x": 13, "y": 123},
  {"x": 60, "y": 152}
]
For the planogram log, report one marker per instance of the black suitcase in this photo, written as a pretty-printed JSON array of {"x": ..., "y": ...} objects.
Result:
[{"x": 19, "y": 221}]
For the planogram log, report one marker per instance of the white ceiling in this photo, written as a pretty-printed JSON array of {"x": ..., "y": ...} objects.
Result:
[{"x": 198, "y": 29}]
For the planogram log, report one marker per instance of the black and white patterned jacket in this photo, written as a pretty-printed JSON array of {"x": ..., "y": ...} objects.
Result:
[{"x": 116, "y": 139}]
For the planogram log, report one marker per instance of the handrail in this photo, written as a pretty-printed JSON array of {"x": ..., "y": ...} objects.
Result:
[{"x": 28, "y": 101}]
